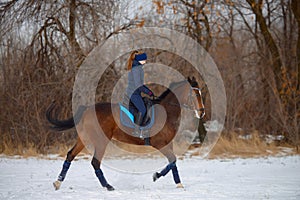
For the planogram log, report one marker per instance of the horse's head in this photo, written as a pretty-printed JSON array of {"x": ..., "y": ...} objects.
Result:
[
  {"x": 187, "y": 93},
  {"x": 195, "y": 101}
]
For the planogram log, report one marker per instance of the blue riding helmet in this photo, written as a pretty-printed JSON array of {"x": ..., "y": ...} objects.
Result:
[{"x": 140, "y": 57}]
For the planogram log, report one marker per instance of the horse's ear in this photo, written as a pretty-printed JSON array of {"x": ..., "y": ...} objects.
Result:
[
  {"x": 193, "y": 78},
  {"x": 189, "y": 80}
]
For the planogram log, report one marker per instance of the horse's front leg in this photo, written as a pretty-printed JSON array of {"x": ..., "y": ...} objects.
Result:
[
  {"x": 168, "y": 152},
  {"x": 70, "y": 157}
]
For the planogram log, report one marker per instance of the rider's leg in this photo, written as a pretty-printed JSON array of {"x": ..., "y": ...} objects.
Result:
[{"x": 139, "y": 104}]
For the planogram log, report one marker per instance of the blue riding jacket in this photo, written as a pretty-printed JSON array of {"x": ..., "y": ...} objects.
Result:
[
  {"x": 136, "y": 80},
  {"x": 136, "y": 87}
]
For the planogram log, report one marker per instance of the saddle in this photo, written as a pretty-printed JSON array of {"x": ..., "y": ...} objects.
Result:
[
  {"x": 130, "y": 106},
  {"x": 128, "y": 119}
]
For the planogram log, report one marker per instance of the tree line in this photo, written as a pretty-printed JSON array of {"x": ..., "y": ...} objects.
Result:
[{"x": 255, "y": 43}]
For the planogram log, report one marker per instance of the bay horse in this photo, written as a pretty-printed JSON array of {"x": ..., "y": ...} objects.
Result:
[{"x": 187, "y": 92}]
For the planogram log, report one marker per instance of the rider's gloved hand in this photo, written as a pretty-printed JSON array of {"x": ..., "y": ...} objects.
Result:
[{"x": 151, "y": 94}]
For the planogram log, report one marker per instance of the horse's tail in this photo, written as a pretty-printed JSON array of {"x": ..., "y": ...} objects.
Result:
[{"x": 61, "y": 125}]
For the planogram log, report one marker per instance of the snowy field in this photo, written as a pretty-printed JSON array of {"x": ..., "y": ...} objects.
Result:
[{"x": 259, "y": 178}]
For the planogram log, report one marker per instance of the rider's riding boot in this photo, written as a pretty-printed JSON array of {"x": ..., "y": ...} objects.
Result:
[
  {"x": 145, "y": 134},
  {"x": 137, "y": 124}
]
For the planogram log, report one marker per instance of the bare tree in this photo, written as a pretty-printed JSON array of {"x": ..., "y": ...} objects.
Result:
[
  {"x": 42, "y": 44},
  {"x": 276, "y": 61},
  {"x": 295, "y": 5}
]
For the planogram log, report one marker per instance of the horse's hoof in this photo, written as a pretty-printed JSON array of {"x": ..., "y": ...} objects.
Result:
[
  {"x": 179, "y": 185},
  {"x": 155, "y": 176},
  {"x": 57, "y": 185},
  {"x": 110, "y": 188}
]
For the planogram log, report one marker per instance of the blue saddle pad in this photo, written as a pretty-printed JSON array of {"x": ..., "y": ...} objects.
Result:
[{"x": 127, "y": 118}]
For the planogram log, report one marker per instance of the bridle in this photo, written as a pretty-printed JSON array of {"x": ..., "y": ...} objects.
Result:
[
  {"x": 189, "y": 105},
  {"x": 192, "y": 94}
]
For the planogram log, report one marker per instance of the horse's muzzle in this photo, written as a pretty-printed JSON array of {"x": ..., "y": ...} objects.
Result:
[{"x": 200, "y": 113}]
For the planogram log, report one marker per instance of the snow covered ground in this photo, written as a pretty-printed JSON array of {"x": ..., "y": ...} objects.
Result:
[{"x": 256, "y": 178}]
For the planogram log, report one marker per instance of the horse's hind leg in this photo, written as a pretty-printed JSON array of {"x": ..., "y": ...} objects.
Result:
[
  {"x": 96, "y": 164},
  {"x": 168, "y": 152},
  {"x": 70, "y": 157},
  {"x": 100, "y": 146}
]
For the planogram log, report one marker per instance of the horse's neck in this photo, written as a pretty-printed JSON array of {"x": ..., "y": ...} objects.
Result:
[
  {"x": 172, "y": 108},
  {"x": 172, "y": 99}
]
